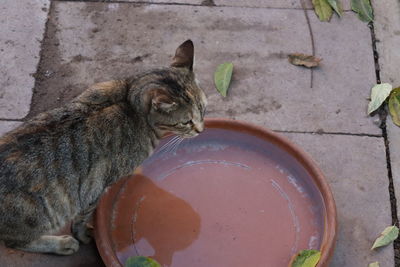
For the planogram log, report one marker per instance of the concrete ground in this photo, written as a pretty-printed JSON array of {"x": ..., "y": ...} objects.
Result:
[{"x": 52, "y": 50}]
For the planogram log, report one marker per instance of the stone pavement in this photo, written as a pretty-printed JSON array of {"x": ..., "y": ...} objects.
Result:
[
  {"x": 387, "y": 30},
  {"x": 324, "y": 110}
]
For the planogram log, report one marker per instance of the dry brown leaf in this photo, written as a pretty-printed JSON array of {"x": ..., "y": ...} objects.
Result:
[{"x": 308, "y": 61}]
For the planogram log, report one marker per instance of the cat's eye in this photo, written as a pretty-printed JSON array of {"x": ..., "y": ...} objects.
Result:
[{"x": 188, "y": 122}]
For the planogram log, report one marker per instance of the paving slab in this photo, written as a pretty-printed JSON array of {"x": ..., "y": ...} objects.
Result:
[
  {"x": 287, "y": 4},
  {"x": 91, "y": 42},
  {"x": 393, "y": 136},
  {"x": 185, "y": 2},
  {"x": 6, "y": 126},
  {"x": 387, "y": 31},
  {"x": 22, "y": 25},
  {"x": 275, "y": 3},
  {"x": 347, "y": 75},
  {"x": 356, "y": 170},
  {"x": 87, "y": 256}
]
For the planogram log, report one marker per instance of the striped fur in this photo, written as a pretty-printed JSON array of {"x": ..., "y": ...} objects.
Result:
[{"x": 55, "y": 167}]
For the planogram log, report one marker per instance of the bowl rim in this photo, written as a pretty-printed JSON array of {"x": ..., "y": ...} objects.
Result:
[{"x": 330, "y": 217}]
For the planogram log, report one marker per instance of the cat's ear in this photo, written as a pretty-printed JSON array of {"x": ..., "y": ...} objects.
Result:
[
  {"x": 163, "y": 103},
  {"x": 184, "y": 56},
  {"x": 158, "y": 99}
]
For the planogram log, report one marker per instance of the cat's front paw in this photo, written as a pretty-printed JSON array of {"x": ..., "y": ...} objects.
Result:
[
  {"x": 83, "y": 232},
  {"x": 67, "y": 245}
]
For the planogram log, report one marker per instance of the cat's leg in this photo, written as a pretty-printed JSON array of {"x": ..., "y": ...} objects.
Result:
[
  {"x": 80, "y": 228},
  {"x": 62, "y": 245}
]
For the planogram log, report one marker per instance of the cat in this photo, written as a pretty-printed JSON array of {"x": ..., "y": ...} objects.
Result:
[{"x": 55, "y": 167}]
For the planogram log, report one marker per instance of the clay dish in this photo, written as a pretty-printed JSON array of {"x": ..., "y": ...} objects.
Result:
[{"x": 237, "y": 195}]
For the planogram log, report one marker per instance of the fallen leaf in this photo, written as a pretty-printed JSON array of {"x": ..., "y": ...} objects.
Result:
[
  {"x": 306, "y": 258},
  {"x": 394, "y": 105},
  {"x": 335, "y": 4},
  {"x": 322, "y": 9},
  {"x": 222, "y": 77},
  {"x": 141, "y": 261},
  {"x": 363, "y": 9},
  {"x": 374, "y": 264},
  {"x": 304, "y": 60},
  {"x": 387, "y": 236},
  {"x": 379, "y": 93}
]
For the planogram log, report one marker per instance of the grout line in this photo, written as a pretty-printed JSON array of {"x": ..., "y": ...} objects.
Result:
[
  {"x": 331, "y": 133},
  {"x": 208, "y": 3},
  {"x": 383, "y": 116},
  {"x": 6, "y": 119},
  {"x": 375, "y": 52},
  {"x": 203, "y": 4},
  {"x": 392, "y": 193}
]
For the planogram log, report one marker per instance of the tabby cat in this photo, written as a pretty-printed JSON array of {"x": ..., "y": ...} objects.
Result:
[{"x": 55, "y": 167}]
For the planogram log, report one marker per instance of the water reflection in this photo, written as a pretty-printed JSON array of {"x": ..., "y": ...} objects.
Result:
[{"x": 161, "y": 224}]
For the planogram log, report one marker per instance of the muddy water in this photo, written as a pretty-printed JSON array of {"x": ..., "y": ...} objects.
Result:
[{"x": 222, "y": 199}]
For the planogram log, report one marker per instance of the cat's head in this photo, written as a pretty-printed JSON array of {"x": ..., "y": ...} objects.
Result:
[{"x": 174, "y": 101}]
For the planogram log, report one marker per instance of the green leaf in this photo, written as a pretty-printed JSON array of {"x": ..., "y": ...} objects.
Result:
[
  {"x": 387, "y": 236},
  {"x": 141, "y": 261},
  {"x": 306, "y": 258},
  {"x": 379, "y": 93},
  {"x": 322, "y": 9},
  {"x": 335, "y": 4},
  {"x": 222, "y": 77},
  {"x": 374, "y": 264},
  {"x": 304, "y": 60},
  {"x": 394, "y": 105},
  {"x": 363, "y": 9}
]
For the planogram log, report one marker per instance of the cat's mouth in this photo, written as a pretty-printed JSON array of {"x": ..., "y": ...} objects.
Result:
[
  {"x": 194, "y": 131},
  {"x": 190, "y": 135}
]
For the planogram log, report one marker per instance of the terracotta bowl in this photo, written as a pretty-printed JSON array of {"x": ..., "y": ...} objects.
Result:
[{"x": 236, "y": 195}]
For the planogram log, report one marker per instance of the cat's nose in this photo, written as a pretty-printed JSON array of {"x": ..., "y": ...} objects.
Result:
[{"x": 198, "y": 127}]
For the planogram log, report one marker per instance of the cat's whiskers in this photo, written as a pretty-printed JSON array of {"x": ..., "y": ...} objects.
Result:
[
  {"x": 166, "y": 145},
  {"x": 176, "y": 145},
  {"x": 173, "y": 145}
]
